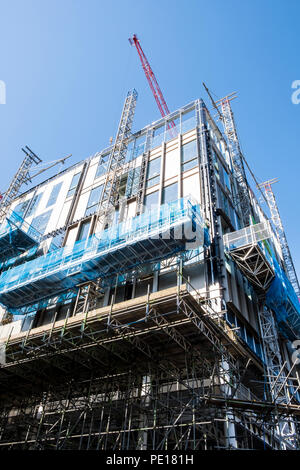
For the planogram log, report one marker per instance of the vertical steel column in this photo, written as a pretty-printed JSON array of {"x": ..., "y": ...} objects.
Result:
[{"x": 237, "y": 159}]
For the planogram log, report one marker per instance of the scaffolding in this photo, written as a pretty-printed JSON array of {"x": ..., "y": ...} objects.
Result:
[
  {"x": 247, "y": 249},
  {"x": 250, "y": 249},
  {"x": 287, "y": 258},
  {"x": 253, "y": 254},
  {"x": 16, "y": 236},
  {"x": 110, "y": 194},
  {"x": 156, "y": 372},
  {"x": 162, "y": 371},
  {"x": 19, "y": 178},
  {"x": 243, "y": 200},
  {"x": 147, "y": 238}
]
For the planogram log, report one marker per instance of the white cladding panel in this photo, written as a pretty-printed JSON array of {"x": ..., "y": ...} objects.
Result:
[
  {"x": 171, "y": 163},
  {"x": 191, "y": 186},
  {"x": 81, "y": 206}
]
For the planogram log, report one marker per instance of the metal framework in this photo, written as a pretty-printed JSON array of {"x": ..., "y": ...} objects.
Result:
[
  {"x": 287, "y": 258},
  {"x": 162, "y": 371},
  {"x": 156, "y": 372},
  {"x": 110, "y": 193},
  {"x": 237, "y": 157},
  {"x": 279, "y": 379},
  {"x": 246, "y": 247},
  {"x": 148, "y": 238},
  {"x": 18, "y": 180}
]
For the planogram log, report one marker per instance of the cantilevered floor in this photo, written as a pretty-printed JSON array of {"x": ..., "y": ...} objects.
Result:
[
  {"x": 149, "y": 237},
  {"x": 160, "y": 327},
  {"x": 16, "y": 236},
  {"x": 247, "y": 249}
]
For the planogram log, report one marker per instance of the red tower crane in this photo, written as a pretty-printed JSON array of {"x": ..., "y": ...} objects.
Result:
[{"x": 157, "y": 93}]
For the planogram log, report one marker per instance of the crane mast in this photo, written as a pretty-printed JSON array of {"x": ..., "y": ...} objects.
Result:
[
  {"x": 227, "y": 118},
  {"x": 155, "y": 88},
  {"x": 110, "y": 193},
  {"x": 236, "y": 155},
  {"x": 287, "y": 258}
]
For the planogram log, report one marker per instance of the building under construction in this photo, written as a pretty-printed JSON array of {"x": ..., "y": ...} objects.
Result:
[{"x": 149, "y": 302}]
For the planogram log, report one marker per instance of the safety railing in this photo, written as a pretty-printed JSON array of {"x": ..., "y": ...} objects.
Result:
[
  {"x": 14, "y": 221},
  {"x": 247, "y": 236},
  {"x": 149, "y": 225}
]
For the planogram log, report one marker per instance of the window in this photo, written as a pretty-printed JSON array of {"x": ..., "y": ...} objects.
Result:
[
  {"x": 21, "y": 208},
  {"x": 34, "y": 204},
  {"x": 188, "y": 121},
  {"x": 241, "y": 329},
  {"x": 40, "y": 222},
  {"x": 226, "y": 180},
  {"x": 133, "y": 181},
  {"x": 54, "y": 194},
  {"x": 158, "y": 136},
  {"x": 170, "y": 193},
  {"x": 151, "y": 201},
  {"x": 130, "y": 151},
  {"x": 84, "y": 230},
  {"x": 172, "y": 129},
  {"x": 189, "y": 156},
  {"x": 153, "y": 172},
  {"x": 123, "y": 184},
  {"x": 258, "y": 349},
  {"x": 139, "y": 145},
  {"x": 216, "y": 162},
  {"x": 230, "y": 318},
  {"x": 94, "y": 199},
  {"x": 73, "y": 185},
  {"x": 225, "y": 203},
  {"x": 57, "y": 241},
  {"x": 102, "y": 165}
]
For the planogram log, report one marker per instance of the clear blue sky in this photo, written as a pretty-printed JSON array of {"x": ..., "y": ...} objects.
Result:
[{"x": 67, "y": 65}]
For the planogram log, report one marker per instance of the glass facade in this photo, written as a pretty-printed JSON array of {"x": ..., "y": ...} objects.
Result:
[
  {"x": 54, "y": 194},
  {"x": 102, "y": 165},
  {"x": 189, "y": 156},
  {"x": 84, "y": 230},
  {"x": 94, "y": 199},
  {"x": 188, "y": 121},
  {"x": 40, "y": 222},
  {"x": 73, "y": 185},
  {"x": 21, "y": 208},
  {"x": 170, "y": 193},
  {"x": 34, "y": 204},
  {"x": 151, "y": 200},
  {"x": 133, "y": 181},
  {"x": 153, "y": 172}
]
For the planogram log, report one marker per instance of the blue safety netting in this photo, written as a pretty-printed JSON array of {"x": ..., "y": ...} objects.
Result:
[
  {"x": 16, "y": 236},
  {"x": 149, "y": 237},
  {"x": 282, "y": 299}
]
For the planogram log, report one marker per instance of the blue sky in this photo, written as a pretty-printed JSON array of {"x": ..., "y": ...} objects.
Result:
[{"x": 67, "y": 65}]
